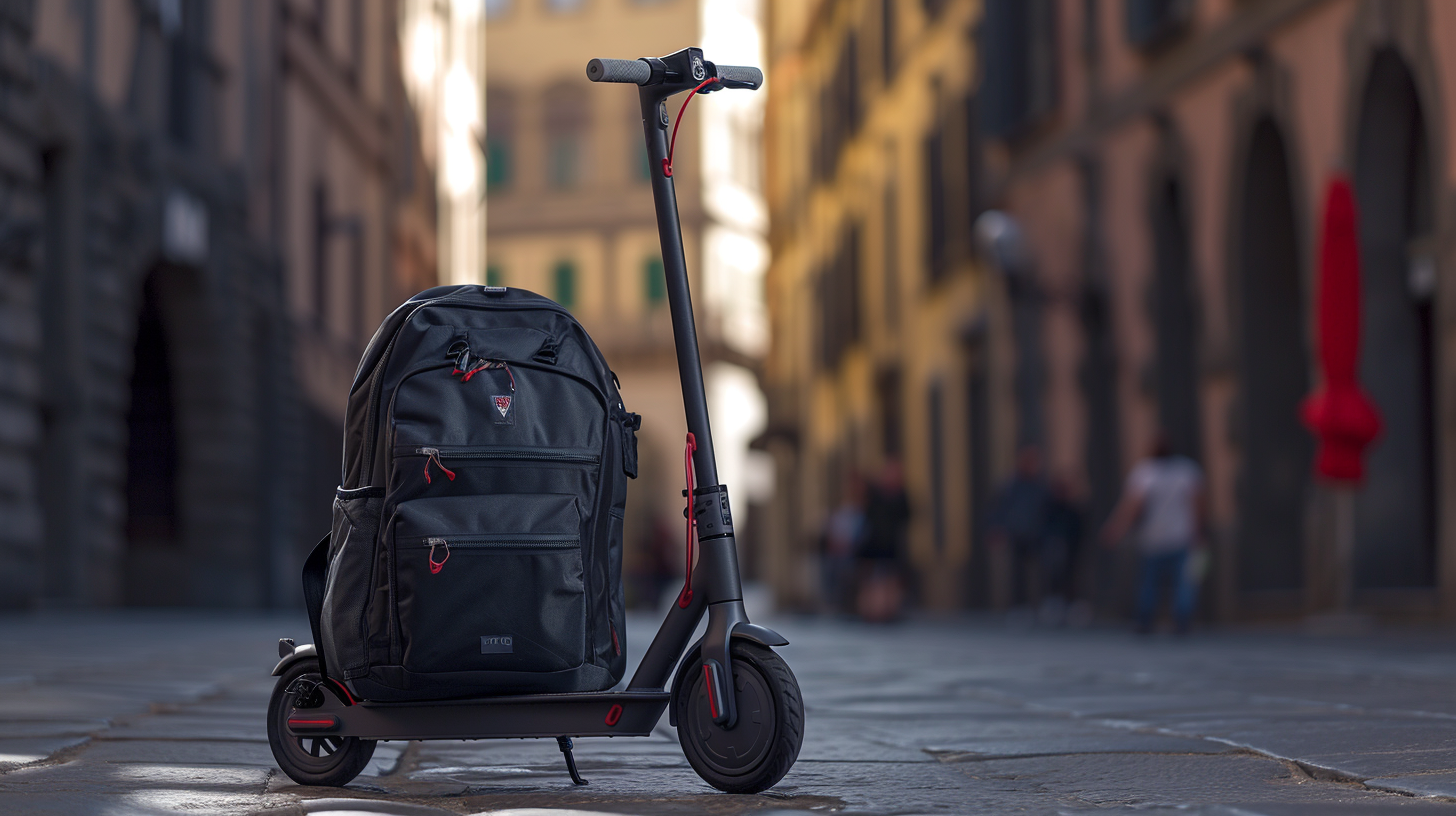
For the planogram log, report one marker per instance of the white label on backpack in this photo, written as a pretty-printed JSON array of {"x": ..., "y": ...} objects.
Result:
[{"x": 496, "y": 644}]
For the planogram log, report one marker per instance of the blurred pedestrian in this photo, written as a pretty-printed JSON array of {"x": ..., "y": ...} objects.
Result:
[
  {"x": 844, "y": 529},
  {"x": 1164, "y": 500},
  {"x": 1061, "y": 550},
  {"x": 1018, "y": 521},
  {"x": 887, "y": 518}
]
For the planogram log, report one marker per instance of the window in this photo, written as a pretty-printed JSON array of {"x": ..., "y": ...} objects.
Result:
[
  {"x": 320, "y": 255},
  {"x": 950, "y": 162},
  {"x": 891, "y": 244},
  {"x": 497, "y": 164},
  {"x": 840, "y": 108},
  {"x": 563, "y": 167},
  {"x": 187, "y": 30},
  {"x": 654, "y": 281},
  {"x": 564, "y": 281},
  {"x": 356, "y": 41},
  {"x": 839, "y": 300},
  {"x": 887, "y": 385},
  {"x": 500, "y": 117},
  {"x": 887, "y": 38},
  {"x": 1018, "y": 45},
  {"x": 1152, "y": 22},
  {"x": 567, "y": 120},
  {"x": 494, "y": 276},
  {"x": 936, "y": 411},
  {"x": 937, "y": 226}
]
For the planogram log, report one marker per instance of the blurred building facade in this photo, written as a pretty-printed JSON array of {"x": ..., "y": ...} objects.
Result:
[
  {"x": 209, "y": 206},
  {"x": 1168, "y": 162},
  {"x": 881, "y": 333},
  {"x": 443, "y": 56},
  {"x": 1165, "y": 164},
  {"x": 571, "y": 217}
]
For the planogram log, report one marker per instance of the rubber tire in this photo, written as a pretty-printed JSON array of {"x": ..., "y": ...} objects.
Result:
[
  {"x": 761, "y": 669},
  {"x": 347, "y": 762}
]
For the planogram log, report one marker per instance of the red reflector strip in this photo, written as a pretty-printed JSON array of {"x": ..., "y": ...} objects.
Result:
[
  {"x": 614, "y": 715},
  {"x": 712, "y": 693},
  {"x": 329, "y": 722}
]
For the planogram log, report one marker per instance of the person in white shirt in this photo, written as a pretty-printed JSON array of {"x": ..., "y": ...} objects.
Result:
[{"x": 1164, "y": 501}]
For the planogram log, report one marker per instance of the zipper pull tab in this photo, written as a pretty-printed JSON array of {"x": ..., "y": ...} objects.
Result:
[
  {"x": 433, "y": 455},
  {"x": 436, "y": 566}
]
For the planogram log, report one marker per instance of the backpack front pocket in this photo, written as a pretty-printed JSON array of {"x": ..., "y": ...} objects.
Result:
[{"x": 490, "y": 583}]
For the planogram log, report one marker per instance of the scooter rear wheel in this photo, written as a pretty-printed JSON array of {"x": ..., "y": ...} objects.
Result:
[
  {"x": 762, "y": 745},
  {"x": 322, "y": 760}
]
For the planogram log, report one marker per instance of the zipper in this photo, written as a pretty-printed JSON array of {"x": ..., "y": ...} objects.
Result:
[
  {"x": 433, "y": 455},
  {"x": 516, "y": 454},
  {"x": 371, "y": 423},
  {"x": 496, "y": 541},
  {"x": 518, "y": 542}
]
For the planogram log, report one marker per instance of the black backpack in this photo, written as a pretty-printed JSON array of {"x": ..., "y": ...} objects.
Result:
[{"x": 477, "y": 538}]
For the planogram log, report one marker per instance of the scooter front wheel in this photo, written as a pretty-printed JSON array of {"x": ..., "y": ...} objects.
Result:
[
  {"x": 315, "y": 760},
  {"x": 762, "y": 745}
]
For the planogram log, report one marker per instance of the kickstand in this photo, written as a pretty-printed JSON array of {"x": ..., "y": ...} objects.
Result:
[{"x": 564, "y": 743}]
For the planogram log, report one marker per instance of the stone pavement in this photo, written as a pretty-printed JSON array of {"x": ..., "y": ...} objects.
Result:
[{"x": 145, "y": 713}]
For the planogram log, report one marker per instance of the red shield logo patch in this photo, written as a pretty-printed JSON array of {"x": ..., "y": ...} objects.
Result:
[{"x": 503, "y": 404}]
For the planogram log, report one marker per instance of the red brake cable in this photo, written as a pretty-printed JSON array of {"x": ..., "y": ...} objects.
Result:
[
  {"x": 667, "y": 162},
  {"x": 686, "y": 596}
]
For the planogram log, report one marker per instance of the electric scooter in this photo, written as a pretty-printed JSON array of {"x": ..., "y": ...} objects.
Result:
[{"x": 734, "y": 701}]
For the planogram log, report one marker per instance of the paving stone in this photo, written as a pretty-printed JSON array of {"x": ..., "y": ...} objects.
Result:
[
  {"x": 187, "y": 726},
  {"x": 24, "y": 750},
  {"x": 336, "y": 806},
  {"x": 924, "y": 717},
  {"x": 195, "y": 752},
  {"x": 50, "y": 728}
]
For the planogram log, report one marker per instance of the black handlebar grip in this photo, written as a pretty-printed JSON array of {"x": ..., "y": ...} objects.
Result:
[
  {"x": 740, "y": 76},
  {"x": 637, "y": 71}
]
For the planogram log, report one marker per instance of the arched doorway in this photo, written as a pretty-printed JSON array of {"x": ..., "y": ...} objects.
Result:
[
  {"x": 155, "y": 568},
  {"x": 1273, "y": 371},
  {"x": 1395, "y": 511},
  {"x": 1175, "y": 321}
]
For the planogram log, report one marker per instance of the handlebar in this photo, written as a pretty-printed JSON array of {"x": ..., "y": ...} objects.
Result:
[
  {"x": 637, "y": 71},
  {"x": 655, "y": 72},
  {"x": 740, "y": 76}
]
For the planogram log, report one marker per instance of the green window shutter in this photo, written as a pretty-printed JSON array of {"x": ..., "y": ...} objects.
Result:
[
  {"x": 494, "y": 276},
  {"x": 497, "y": 164},
  {"x": 564, "y": 165},
  {"x": 565, "y": 279},
  {"x": 654, "y": 281},
  {"x": 644, "y": 163}
]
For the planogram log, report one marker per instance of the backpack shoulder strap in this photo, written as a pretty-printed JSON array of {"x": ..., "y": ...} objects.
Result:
[{"x": 315, "y": 576}]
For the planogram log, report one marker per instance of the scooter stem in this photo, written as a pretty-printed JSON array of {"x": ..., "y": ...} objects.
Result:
[{"x": 716, "y": 573}]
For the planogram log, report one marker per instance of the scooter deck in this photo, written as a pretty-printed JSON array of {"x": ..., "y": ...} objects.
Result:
[{"x": 595, "y": 714}]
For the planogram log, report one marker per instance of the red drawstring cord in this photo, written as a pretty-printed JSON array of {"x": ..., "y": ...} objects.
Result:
[
  {"x": 686, "y": 596},
  {"x": 667, "y": 162}
]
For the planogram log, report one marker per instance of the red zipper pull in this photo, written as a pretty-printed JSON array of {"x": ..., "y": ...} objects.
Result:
[
  {"x": 436, "y": 566},
  {"x": 433, "y": 455}
]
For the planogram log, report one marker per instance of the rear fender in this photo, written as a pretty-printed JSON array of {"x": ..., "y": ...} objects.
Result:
[{"x": 305, "y": 652}]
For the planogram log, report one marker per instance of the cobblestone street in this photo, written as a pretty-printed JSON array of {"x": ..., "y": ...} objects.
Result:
[{"x": 123, "y": 713}]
